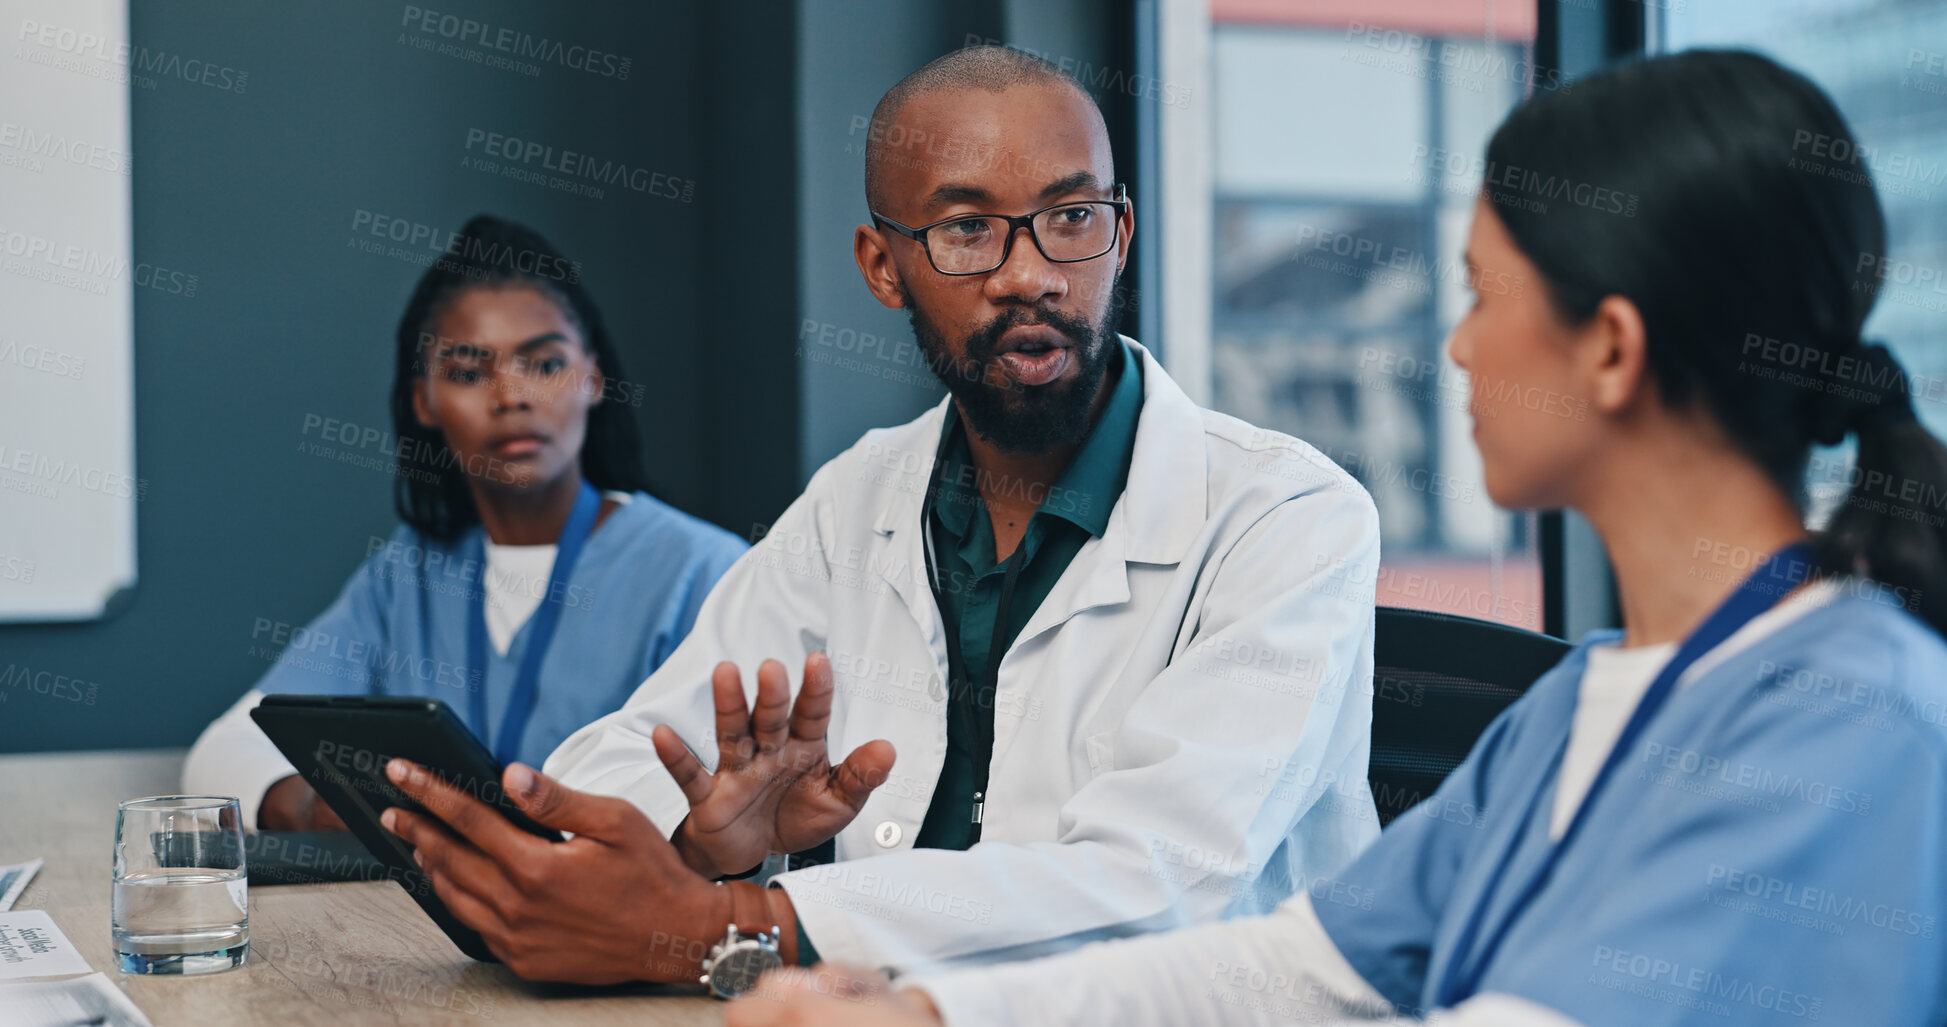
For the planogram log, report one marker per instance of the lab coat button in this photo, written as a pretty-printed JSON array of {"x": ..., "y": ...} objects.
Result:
[{"x": 886, "y": 834}]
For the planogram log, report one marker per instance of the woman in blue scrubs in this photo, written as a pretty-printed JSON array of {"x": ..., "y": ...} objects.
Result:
[
  {"x": 534, "y": 581},
  {"x": 1734, "y": 809}
]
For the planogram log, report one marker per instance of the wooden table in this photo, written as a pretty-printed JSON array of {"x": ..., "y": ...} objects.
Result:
[{"x": 337, "y": 954}]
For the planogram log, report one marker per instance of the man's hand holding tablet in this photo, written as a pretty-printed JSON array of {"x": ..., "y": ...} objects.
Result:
[
  {"x": 618, "y": 902},
  {"x": 614, "y": 903}
]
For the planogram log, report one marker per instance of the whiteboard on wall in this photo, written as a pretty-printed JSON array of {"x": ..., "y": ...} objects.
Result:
[{"x": 68, "y": 487}]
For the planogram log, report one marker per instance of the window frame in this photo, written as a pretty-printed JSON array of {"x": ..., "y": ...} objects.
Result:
[{"x": 1171, "y": 41}]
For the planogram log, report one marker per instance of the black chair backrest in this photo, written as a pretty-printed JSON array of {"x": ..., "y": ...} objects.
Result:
[{"x": 1438, "y": 680}]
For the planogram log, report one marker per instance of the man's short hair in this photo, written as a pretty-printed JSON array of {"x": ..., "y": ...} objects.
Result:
[{"x": 991, "y": 68}]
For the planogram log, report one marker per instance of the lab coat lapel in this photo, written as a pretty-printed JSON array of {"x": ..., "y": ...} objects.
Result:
[
  {"x": 1159, "y": 515},
  {"x": 898, "y": 542},
  {"x": 1097, "y": 576}
]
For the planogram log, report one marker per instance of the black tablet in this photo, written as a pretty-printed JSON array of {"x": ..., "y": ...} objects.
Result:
[{"x": 340, "y": 744}]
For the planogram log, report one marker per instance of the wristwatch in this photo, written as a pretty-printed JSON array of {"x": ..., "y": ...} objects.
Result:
[{"x": 739, "y": 959}]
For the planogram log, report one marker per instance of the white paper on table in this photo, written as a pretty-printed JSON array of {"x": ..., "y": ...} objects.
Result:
[
  {"x": 89, "y": 999},
  {"x": 31, "y": 946},
  {"x": 13, "y": 881}
]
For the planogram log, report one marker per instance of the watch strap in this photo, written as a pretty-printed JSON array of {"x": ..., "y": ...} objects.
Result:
[{"x": 748, "y": 911}]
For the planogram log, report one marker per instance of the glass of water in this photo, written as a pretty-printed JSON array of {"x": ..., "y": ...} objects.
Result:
[{"x": 181, "y": 904}]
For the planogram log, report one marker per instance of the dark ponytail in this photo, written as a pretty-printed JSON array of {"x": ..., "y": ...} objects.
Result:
[
  {"x": 1701, "y": 187},
  {"x": 1890, "y": 527},
  {"x": 431, "y": 491}
]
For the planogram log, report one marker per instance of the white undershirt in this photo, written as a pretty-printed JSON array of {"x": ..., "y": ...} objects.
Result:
[
  {"x": 1616, "y": 678},
  {"x": 516, "y": 578}
]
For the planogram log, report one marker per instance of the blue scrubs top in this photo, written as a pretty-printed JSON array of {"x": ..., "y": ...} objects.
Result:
[
  {"x": 1773, "y": 849},
  {"x": 399, "y": 627}
]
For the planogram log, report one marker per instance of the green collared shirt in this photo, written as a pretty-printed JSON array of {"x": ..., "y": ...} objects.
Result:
[{"x": 1072, "y": 511}]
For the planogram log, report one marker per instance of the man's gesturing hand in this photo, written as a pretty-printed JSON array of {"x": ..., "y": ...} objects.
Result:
[{"x": 775, "y": 789}]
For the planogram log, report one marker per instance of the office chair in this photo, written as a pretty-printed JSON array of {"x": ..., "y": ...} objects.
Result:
[{"x": 1438, "y": 680}]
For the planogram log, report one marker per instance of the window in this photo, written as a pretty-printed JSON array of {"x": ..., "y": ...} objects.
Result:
[
  {"x": 1345, "y": 144},
  {"x": 1885, "y": 63}
]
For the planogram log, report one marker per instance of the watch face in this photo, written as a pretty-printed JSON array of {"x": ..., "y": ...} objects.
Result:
[{"x": 737, "y": 971}]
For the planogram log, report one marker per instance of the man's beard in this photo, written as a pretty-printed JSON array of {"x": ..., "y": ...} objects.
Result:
[{"x": 1017, "y": 418}]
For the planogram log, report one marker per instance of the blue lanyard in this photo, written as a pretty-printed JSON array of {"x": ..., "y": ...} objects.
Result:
[
  {"x": 520, "y": 704},
  {"x": 1778, "y": 575}
]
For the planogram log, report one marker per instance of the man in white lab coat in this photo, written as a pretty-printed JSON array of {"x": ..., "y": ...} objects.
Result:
[{"x": 1101, "y": 658}]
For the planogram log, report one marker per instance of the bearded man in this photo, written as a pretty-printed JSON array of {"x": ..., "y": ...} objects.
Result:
[{"x": 1101, "y": 659}]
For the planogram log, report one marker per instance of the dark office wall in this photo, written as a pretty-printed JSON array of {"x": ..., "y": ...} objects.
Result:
[
  {"x": 747, "y": 415},
  {"x": 858, "y": 365},
  {"x": 349, "y": 112}
]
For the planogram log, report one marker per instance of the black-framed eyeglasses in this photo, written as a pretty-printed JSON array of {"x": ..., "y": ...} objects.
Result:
[{"x": 974, "y": 244}]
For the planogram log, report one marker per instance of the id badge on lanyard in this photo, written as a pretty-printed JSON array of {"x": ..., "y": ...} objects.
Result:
[{"x": 506, "y": 743}]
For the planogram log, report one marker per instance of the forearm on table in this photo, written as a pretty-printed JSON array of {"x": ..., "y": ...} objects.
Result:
[
  {"x": 1274, "y": 969},
  {"x": 994, "y": 902},
  {"x": 233, "y": 757}
]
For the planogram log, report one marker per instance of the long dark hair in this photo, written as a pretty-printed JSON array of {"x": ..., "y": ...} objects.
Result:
[
  {"x": 431, "y": 491},
  {"x": 1720, "y": 192}
]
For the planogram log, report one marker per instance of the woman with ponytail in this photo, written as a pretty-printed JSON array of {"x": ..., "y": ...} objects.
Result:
[
  {"x": 534, "y": 582},
  {"x": 1734, "y": 809}
]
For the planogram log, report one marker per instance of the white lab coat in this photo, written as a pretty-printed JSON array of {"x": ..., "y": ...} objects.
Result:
[{"x": 1181, "y": 729}]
